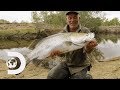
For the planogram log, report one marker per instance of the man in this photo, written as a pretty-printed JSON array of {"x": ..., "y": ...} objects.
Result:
[{"x": 76, "y": 64}]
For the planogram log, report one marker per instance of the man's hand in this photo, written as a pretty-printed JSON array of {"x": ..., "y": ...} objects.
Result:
[
  {"x": 55, "y": 53},
  {"x": 90, "y": 45}
]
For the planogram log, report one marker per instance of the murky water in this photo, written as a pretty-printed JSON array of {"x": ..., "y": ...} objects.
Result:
[
  {"x": 20, "y": 46},
  {"x": 108, "y": 47}
]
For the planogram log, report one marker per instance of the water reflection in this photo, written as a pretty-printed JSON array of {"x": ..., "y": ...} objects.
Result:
[
  {"x": 109, "y": 45},
  {"x": 105, "y": 37},
  {"x": 109, "y": 48}
]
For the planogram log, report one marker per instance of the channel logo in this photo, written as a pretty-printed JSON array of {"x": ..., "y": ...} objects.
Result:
[{"x": 16, "y": 64}]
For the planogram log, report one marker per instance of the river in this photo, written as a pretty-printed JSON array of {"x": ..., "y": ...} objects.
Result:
[{"x": 108, "y": 46}]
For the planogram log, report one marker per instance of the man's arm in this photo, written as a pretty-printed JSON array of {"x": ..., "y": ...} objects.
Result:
[{"x": 55, "y": 53}]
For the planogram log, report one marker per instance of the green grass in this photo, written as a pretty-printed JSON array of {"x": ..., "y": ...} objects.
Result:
[
  {"x": 18, "y": 31},
  {"x": 14, "y": 43}
]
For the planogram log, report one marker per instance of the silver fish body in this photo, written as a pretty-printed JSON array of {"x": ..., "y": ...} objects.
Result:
[{"x": 64, "y": 42}]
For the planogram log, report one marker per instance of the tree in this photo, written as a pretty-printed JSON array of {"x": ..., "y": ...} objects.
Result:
[
  {"x": 91, "y": 19},
  {"x": 114, "y": 22},
  {"x": 2, "y": 21},
  {"x": 56, "y": 19},
  {"x": 24, "y": 22}
]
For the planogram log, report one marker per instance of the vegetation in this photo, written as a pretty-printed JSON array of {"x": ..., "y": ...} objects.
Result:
[
  {"x": 113, "y": 22},
  {"x": 2, "y": 21},
  {"x": 7, "y": 44},
  {"x": 56, "y": 19},
  {"x": 53, "y": 21},
  {"x": 49, "y": 20}
]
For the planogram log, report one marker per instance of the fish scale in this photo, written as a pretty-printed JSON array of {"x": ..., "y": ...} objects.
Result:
[{"x": 64, "y": 42}]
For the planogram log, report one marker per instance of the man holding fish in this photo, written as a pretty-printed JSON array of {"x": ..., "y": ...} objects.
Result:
[{"x": 76, "y": 64}]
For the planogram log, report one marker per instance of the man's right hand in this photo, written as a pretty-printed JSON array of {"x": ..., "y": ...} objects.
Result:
[
  {"x": 90, "y": 45},
  {"x": 55, "y": 53}
]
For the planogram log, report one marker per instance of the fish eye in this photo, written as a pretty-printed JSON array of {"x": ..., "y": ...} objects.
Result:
[{"x": 86, "y": 34}]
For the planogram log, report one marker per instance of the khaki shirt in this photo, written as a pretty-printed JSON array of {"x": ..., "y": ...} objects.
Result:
[{"x": 77, "y": 60}]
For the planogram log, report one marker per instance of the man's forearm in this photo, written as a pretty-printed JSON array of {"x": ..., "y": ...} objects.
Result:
[{"x": 88, "y": 50}]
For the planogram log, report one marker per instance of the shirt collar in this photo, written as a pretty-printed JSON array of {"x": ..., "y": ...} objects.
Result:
[{"x": 66, "y": 28}]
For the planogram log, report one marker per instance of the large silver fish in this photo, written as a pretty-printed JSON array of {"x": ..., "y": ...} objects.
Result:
[{"x": 64, "y": 42}]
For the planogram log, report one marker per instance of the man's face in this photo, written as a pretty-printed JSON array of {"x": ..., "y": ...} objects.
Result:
[{"x": 73, "y": 20}]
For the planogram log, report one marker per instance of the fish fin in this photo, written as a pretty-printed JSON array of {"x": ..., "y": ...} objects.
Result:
[
  {"x": 68, "y": 43},
  {"x": 33, "y": 44},
  {"x": 36, "y": 62}
]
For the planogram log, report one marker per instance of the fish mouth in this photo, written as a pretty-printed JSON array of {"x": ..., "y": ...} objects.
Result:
[{"x": 77, "y": 44}]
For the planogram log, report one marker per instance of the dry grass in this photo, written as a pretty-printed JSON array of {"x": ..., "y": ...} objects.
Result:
[
  {"x": 30, "y": 72},
  {"x": 106, "y": 70},
  {"x": 100, "y": 70}
]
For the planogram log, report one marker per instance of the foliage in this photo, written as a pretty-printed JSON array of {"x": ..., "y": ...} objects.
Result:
[
  {"x": 57, "y": 20},
  {"x": 48, "y": 18},
  {"x": 89, "y": 21},
  {"x": 113, "y": 22},
  {"x": 2, "y": 21}
]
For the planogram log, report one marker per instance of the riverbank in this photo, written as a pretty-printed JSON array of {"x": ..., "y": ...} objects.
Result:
[
  {"x": 99, "y": 70},
  {"x": 109, "y": 29},
  {"x": 109, "y": 69},
  {"x": 28, "y": 31}
]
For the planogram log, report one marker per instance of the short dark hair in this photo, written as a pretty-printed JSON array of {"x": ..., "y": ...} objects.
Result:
[{"x": 72, "y": 12}]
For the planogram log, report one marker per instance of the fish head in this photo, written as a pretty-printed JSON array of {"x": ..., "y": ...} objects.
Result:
[
  {"x": 89, "y": 37},
  {"x": 80, "y": 38}
]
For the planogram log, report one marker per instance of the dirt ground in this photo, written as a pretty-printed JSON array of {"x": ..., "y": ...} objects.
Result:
[
  {"x": 30, "y": 72},
  {"x": 99, "y": 70}
]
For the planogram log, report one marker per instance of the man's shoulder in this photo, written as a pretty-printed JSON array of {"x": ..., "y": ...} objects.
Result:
[{"x": 85, "y": 29}]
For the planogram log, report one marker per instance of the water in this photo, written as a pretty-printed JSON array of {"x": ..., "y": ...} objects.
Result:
[
  {"x": 4, "y": 52},
  {"x": 108, "y": 46},
  {"x": 20, "y": 46}
]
